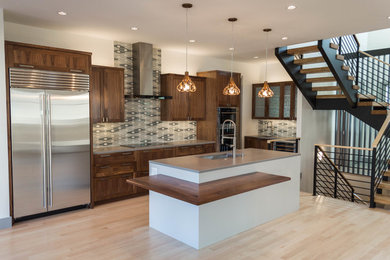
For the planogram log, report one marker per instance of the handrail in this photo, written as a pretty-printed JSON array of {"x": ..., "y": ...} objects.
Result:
[
  {"x": 375, "y": 58},
  {"x": 345, "y": 147},
  {"x": 381, "y": 132},
  {"x": 338, "y": 171},
  {"x": 283, "y": 139}
]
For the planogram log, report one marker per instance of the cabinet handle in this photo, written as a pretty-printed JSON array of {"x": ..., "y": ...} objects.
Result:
[
  {"x": 106, "y": 119},
  {"x": 127, "y": 153},
  {"x": 126, "y": 164},
  {"x": 73, "y": 70},
  {"x": 26, "y": 66},
  {"x": 104, "y": 167},
  {"x": 105, "y": 155}
]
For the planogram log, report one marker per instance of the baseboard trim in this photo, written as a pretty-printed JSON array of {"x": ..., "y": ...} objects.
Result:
[{"x": 5, "y": 223}]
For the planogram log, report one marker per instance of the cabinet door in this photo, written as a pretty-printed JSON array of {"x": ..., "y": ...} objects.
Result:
[
  {"x": 113, "y": 95},
  {"x": 79, "y": 63},
  {"x": 258, "y": 104},
  {"x": 287, "y": 104},
  {"x": 222, "y": 81},
  {"x": 274, "y": 108},
  {"x": 112, "y": 187},
  {"x": 177, "y": 108},
  {"x": 235, "y": 100},
  {"x": 145, "y": 156},
  {"x": 197, "y": 100},
  {"x": 96, "y": 93}
]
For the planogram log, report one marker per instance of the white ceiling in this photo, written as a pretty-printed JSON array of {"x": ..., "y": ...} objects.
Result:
[{"x": 162, "y": 22}]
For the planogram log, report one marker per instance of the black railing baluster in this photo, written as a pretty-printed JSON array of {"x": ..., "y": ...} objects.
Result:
[
  {"x": 373, "y": 173},
  {"x": 315, "y": 171}
]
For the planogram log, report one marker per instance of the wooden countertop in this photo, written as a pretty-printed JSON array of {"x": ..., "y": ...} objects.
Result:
[
  {"x": 118, "y": 149},
  {"x": 266, "y": 137},
  {"x": 203, "y": 193},
  {"x": 197, "y": 163}
]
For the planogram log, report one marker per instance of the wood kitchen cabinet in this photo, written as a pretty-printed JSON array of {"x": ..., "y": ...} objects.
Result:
[
  {"x": 183, "y": 106},
  {"x": 254, "y": 142},
  {"x": 222, "y": 81},
  {"x": 111, "y": 170},
  {"x": 107, "y": 94},
  {"x": 281, "y": 106},
  {"x": 47, "y": 58}
]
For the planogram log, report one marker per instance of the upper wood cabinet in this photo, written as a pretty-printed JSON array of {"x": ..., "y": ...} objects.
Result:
[
  {"x": 183, "y": 106},
  {"x": 107, "y": 94},
  {"x": 223, "y": 78},
  {"x": 47, "y": 58},
  {"x": 281, "y": 106}
]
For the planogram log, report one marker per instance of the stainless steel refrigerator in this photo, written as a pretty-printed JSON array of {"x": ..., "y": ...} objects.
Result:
[{"x": 50, "y": 140}]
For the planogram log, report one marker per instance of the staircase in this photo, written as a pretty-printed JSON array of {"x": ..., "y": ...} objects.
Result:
[{"x": 333, "y": 74}]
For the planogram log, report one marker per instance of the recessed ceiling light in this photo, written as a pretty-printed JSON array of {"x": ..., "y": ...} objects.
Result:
[
  {"x": 231, "y": 49},
  {"x": 192, "y": 41},
  {"x": 134, "y": 28},
  {"x": 291, "y": 7},
  {"x": 284, "y": 38},
  {"x": 388, "y": 17},
  {"x": 256, "y": 57},
  {"x": 61, "y": 13}
]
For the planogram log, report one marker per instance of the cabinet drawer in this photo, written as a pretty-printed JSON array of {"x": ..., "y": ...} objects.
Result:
[
  {"x": 115, "y": 169},
  {"x": 104, "y": 159},
  {"x": 113, "y": 187},
  {"x": 189, "y": 150},
  {"x": 209, "y": 148}
]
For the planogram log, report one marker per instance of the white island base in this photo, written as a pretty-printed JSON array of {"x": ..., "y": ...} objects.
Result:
[{"x": 203, "y": 225}]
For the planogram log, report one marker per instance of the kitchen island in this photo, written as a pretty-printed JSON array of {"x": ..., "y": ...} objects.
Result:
[{"x": 203, "y": 199}]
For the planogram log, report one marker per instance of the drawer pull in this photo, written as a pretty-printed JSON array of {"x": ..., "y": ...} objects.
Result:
[
  {"x": 26, "y": 66},
  {"x": 104, "y": 167},
  {"x": 105, "y": 156},
  {"x": 127, "y": 153},
  {"x": 127, "y": 164},
  {"x": 73, "y": 70}
]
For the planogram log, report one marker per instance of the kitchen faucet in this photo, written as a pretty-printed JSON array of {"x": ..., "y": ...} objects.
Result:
[{"x": 230, "y": 137}]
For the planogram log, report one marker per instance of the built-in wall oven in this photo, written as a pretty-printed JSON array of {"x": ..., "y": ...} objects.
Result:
[{"x": 232, "y": 113}]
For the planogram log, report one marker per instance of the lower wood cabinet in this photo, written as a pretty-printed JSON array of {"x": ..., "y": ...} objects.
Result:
[
  {"x": 113, "y": 169},
  {"x": 254, "y": 142}
]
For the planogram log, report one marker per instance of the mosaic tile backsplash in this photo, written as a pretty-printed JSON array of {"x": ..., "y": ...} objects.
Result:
[
  {"x": 281, "y": 128},
  {"x": 142, "y": 116}
]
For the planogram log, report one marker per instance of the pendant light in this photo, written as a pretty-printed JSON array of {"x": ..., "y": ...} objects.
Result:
[
  {"x": 266, "y": 91},
  {"x": 186, "y": 85},
  {"x": 231, "y": 89}
]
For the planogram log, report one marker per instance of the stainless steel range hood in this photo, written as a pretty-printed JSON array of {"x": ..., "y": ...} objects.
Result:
[{"x": 143, "y": 71}]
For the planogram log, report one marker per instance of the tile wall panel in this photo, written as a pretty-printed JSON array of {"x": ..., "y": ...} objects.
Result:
[
  {"x": 280, "y": 128},
  {"x": 142, "y": 116}
]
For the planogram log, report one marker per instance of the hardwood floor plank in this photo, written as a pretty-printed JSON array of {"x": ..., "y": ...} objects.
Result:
[{"x": 323, "y": 228}]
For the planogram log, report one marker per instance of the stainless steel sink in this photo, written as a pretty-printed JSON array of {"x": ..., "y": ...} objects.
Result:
[{"x": 220, "y": 156}]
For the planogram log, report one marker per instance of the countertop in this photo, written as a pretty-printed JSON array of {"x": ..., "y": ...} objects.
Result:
[
  {"x": 118, "y": 149},
  {"x": 196, "y": 163},
  {"x": 267, "y": 137}
]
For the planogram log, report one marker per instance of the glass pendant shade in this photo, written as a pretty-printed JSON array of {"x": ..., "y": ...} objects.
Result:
[
  {"x": 186, "y": 85},
  {"x": 231, "y": 89},
  {"x": 265, "y": 91}
]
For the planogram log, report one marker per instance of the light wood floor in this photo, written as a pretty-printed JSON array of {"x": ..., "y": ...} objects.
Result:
[{"x": 323, "y": 228}]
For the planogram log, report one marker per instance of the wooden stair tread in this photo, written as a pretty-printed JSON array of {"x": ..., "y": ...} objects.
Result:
[
  {"x": 379, "y": 112},
  {"x": 329, "y": 96},
  {"x": 334, "y": 46},
  {"x": 309, "y": 60},
  {"x": 386, "y": 173},
  {"x": 385, "y": 185},
  {"x": 303, "y": 50},
  {"x": 381, "y": 199},
  {"x": 315, "y": 70},
  {"x": 355, "y": 87},
  {"x": 326, "y": 88},
  {"x": 344, "y": 67},
  {"x": 320, "y": 79},
  {"x": 366, "y": 97},
  {"x": 340, "y": 57},
  {"x": 373, "y": 104},
  {"x": 351, "y": 78}
]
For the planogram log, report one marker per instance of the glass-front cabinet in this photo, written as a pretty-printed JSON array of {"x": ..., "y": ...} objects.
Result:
[{"x": 281, "y": 106}]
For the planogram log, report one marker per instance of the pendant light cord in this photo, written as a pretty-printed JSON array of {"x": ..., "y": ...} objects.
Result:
[
  {"x": 186, "y": 39},
  {"x": 266, "y": 58},
  {"x": 232, "y": 54}
]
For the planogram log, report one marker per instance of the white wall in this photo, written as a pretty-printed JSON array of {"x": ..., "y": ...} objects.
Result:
[
  {"x": 102, "y": 50},
  {"x": 374, "y": 40},
  {"x": 4, "y": 183}
]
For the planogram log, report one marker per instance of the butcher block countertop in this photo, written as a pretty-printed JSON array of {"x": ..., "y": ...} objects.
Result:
[
  {"x": 198, "y": 163},
  {"x": 203, "y": 193}
]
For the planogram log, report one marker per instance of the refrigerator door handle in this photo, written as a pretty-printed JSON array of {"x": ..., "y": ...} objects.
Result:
[
  {"x": 44, "y": 155},
  {"x": 49, "y": 144}
]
